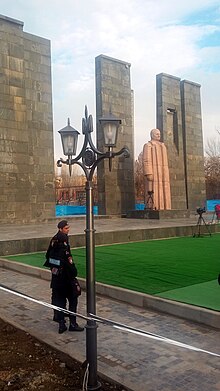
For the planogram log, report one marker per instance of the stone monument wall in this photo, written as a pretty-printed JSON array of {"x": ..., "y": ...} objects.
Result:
[
  {"x": 169, "y": 121},
  {"x": 26, "y": 130},
  {"x": 193, "y": 144},
  {"x": 113, "y": 92},
  {"x": 179, "y": 119}
]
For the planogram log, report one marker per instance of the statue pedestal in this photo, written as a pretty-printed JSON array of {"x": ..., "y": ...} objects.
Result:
[{"x": 158, "y": 214}]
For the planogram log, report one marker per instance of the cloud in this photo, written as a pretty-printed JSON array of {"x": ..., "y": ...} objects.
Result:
[{"x": 178, "y": 38}]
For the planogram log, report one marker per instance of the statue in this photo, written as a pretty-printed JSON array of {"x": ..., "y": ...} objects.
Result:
[{"x": 156, "y": 173}]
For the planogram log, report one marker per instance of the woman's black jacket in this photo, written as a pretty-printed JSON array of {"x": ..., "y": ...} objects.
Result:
[{"x": 58, "y": 257}]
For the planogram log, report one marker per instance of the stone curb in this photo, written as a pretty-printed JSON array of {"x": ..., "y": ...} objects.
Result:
[
  {"x": 189, "y": 312},
  {"x": 36, "y": 244}
]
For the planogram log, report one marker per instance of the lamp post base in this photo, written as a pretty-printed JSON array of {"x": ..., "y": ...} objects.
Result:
[
  {"x": 91, "y": 354},
  {"x": 97, "y": 387}
]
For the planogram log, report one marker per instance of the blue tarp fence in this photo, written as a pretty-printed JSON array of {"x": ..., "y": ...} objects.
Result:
[
  {"x": 139, "y": 206},
  {"x": 69, "y": 210},
  {"x": 210, "y": 205}
]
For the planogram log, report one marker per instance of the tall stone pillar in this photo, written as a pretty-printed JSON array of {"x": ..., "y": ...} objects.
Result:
[
  {"x": 26, "y": 131},
  {"x": 116, "y": 194},
  {"x": 169, "y": 121},
  {"x": 193, "y": 144},
  {"x": 180, "y": 122}
]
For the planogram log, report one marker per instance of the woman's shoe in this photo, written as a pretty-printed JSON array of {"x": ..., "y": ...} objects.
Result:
[
  {"x": 75, "y": 327},
  {"x": 62, "y": 327}
]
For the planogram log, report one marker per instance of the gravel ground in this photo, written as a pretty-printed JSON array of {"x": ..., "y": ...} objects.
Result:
[{"x": 27, "y": 364}]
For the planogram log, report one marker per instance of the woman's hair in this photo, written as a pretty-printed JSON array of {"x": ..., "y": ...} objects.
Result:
[{"x": 61, "y": 237}]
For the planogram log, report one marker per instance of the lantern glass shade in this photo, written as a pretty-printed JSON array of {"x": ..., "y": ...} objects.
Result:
[
  {"x": 110, "y": 134},
  {"x": 69, "y": 142},
  {"x": 69, "y": 137},
  {"x": 110, "y": 125}
]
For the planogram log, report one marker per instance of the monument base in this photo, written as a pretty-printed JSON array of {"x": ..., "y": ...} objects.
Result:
[{"x": 158, "y": 214}]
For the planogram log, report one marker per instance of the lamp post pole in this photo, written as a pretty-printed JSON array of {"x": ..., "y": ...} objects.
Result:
[
  {"x": 88, "y": 159},
  {"x": 91, "y": 328}
]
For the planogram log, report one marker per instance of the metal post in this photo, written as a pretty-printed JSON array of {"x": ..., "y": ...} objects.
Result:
[
  {"x": 88, "y": 159},
  {"x": 91, "y": 327}
]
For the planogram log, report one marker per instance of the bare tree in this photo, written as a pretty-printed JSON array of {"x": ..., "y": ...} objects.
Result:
[
  {"x": 139, "y": 178},
  {"x": 212, "y": 167},
  {"x": 213, "y": 147}
]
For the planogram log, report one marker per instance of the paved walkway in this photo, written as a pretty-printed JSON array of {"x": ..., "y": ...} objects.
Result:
[
  {"x": 78, "y": 224},
  {"x": 139, "y": 363}
]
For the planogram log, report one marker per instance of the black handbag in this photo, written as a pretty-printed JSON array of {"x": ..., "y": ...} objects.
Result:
[{"x": 76, "y": 287}]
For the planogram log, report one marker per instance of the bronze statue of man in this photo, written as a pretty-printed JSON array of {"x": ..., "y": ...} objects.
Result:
[{"x": 156, "y": 173}]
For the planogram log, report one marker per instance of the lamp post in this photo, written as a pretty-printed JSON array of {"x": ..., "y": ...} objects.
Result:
[{"x": 88, "y": 159}]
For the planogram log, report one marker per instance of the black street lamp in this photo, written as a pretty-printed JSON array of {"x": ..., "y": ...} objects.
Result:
[{"x": 88, "y": 159}]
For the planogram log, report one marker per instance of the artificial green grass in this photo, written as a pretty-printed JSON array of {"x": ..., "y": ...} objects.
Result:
[
  {"x": 151, "y": 267},
  {"x": 157, "y": 266},
  {"x": 205, "y": 295}
]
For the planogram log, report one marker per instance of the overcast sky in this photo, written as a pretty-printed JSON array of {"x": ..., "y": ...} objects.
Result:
[{"x": 181, "y": 38}]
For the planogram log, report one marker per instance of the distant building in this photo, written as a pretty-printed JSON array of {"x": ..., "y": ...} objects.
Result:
[{"x": 74, "y": 195}]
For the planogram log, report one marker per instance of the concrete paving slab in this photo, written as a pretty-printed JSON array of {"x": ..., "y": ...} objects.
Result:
[
  {"x": 195, "y": 313},
  {"x": 47, "y": 229}
]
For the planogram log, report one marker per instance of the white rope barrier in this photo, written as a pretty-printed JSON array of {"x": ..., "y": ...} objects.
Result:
[{"x": 108, "y": 322}]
